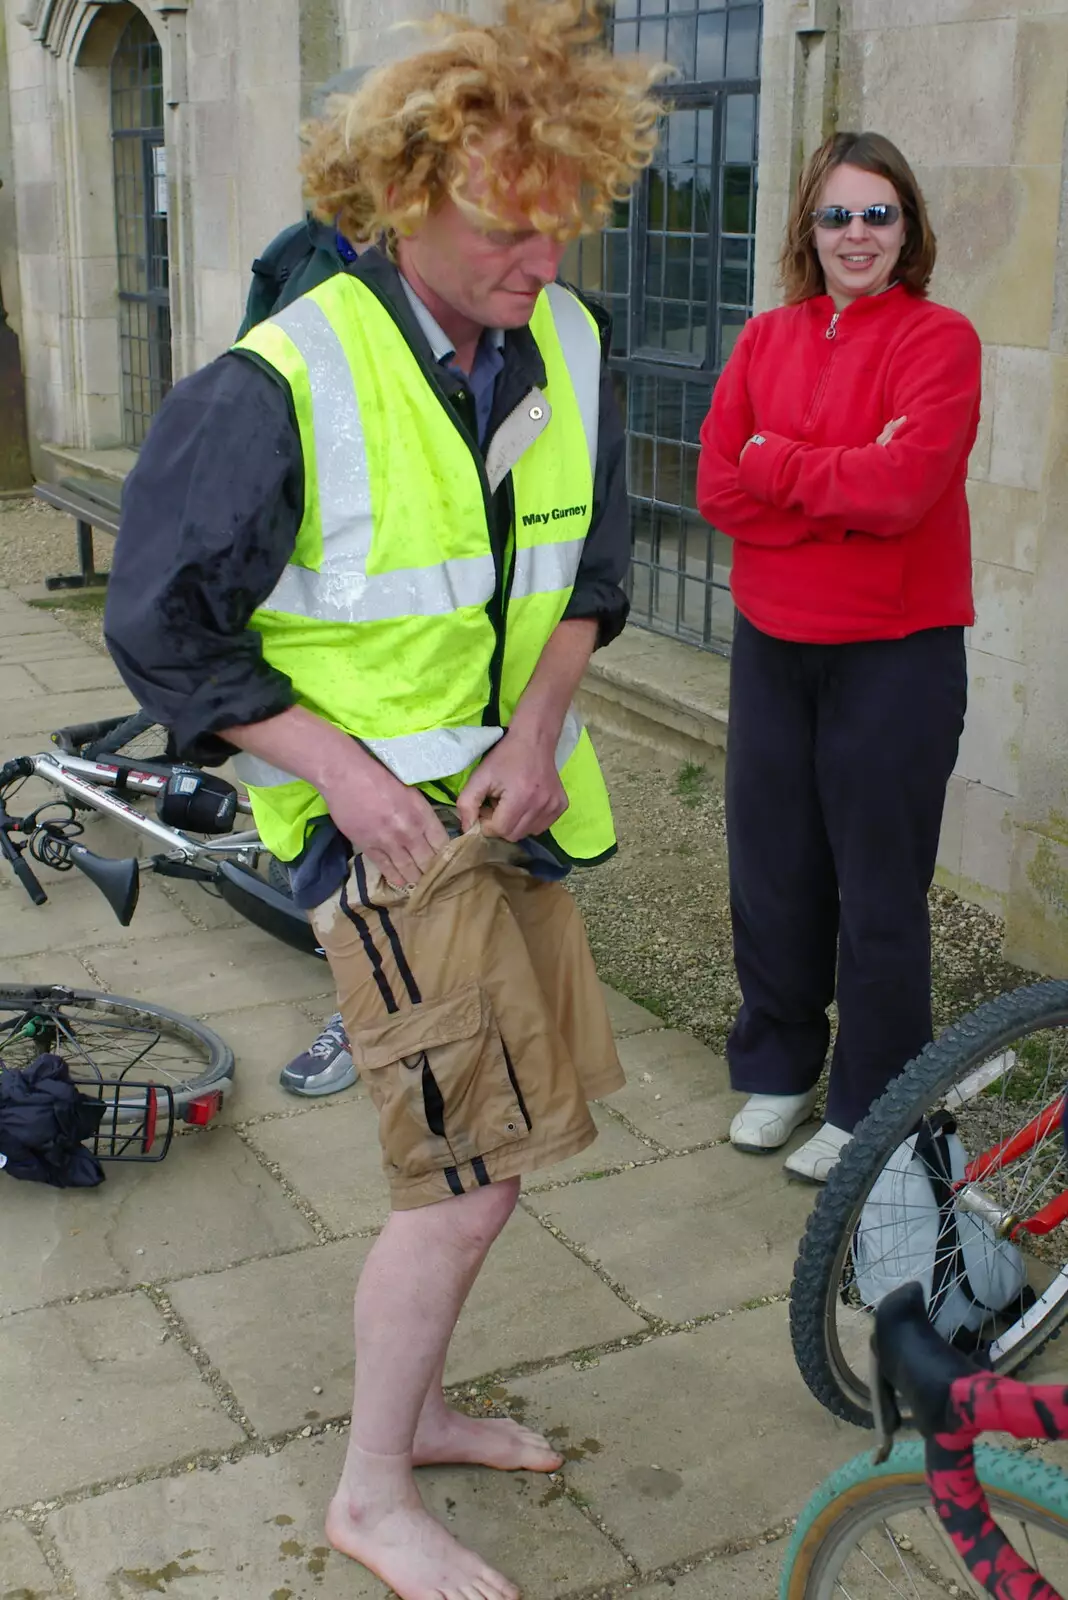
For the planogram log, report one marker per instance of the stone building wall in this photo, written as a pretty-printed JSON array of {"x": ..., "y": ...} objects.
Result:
[{"x": 974, "y": 91}]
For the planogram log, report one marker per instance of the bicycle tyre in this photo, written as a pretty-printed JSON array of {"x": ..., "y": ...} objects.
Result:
[
  {"x": 826, "y": 1240},
  {"x": 1019, "y": 1487},
  {"x": 112, "y": 735},
  {"x": 210, "y": 1055}
]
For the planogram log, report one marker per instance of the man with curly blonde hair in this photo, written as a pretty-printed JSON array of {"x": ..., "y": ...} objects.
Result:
[{"x": 371, "y": 549}]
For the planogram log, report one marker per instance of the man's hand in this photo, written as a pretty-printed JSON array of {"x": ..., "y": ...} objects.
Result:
[
  {"x": 394, "y": 827},
  {"x": 519, "y": 777},
  {"x": 889, "y": 431}
]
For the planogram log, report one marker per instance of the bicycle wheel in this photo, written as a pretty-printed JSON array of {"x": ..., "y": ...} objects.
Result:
[
  {"x": 870, "y": 1532},
  {"x": 137, "y": 736},
  {"x": 102, "y": 1036},
  {"x": 993, "y": 1071}
]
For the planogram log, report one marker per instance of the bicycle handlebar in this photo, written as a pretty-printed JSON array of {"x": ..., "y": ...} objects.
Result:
[
  {"x": 18, "y": 767},
  {"x": 952, "y": 1402}
]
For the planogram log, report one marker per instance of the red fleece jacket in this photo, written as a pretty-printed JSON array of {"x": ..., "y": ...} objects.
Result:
[{"x": 838, "y": 538}]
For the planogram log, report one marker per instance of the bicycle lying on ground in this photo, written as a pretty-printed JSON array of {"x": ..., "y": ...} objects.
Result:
[
  {"x": 998, "y": 1078},
  {"x": 102, "y": 766},
  {"x": 147, "y": 1066},
  {"x": 918, "y": 1518}
]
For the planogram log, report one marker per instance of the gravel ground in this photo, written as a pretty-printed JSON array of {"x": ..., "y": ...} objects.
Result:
[
  {"x": 658, "y": 912},
  {"x": 35, "y": 542}
]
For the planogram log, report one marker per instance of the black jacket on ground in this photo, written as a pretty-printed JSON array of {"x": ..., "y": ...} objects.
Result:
[
  {"x": 211, "y": 511},
  {"x": 43, "y": 1120}
]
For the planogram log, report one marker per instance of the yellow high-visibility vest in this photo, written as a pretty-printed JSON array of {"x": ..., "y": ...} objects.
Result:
[{"x": 394, "y": 619}]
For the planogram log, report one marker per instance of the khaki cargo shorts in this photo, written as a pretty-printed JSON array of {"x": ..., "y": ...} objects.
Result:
[{"x": 475, "y": 1017}]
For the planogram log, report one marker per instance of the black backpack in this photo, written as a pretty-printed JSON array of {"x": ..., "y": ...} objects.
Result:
[{"x": 296, "y": 260}]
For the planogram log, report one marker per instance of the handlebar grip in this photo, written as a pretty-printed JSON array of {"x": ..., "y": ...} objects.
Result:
[
  {"x": 24, "y": 873},
  {"x": 17, "y": 767}
]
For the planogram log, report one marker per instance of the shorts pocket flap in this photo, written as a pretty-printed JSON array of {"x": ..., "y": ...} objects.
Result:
[{"x": 426, "y": 1026}]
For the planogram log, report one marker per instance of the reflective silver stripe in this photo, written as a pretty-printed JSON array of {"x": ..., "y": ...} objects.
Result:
[
  {"x": 544, "y": 568},
  {"x": 581, "y": 345},
  {"x": 415, "y": 757},
  {"x": 340, "y": 448},
  {"x": 257, "y": 774},
  {"x": 342, "y": 594},
  {"x": 420, "y": 757},
  {"x": 342, "y": 591},
  {"x": 570, "y": 734}
]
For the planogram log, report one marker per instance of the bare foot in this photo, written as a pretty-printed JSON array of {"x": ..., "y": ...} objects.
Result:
[
  {"x": 413, "y": 1554},
  {"x": 451, "y": 1437}
]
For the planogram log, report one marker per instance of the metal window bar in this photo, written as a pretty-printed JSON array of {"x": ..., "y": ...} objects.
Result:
[
  {"x": 141, "y": 226},
  {"x": 675, "y": 268}
]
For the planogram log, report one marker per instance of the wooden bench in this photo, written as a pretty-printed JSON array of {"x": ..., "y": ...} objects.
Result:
[{"x": 93, "y": 503}]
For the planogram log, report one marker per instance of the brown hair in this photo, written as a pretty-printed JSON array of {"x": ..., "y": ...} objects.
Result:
[
  {"x": 800, "y": 272},
  {"x": 405, "y": 140}
]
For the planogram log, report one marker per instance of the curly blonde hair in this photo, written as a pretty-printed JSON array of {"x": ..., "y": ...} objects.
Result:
[{"x": 580, "y": 125}]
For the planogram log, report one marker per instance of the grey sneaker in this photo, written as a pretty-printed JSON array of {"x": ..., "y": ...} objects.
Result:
[{"x": 325, "y": 1067}]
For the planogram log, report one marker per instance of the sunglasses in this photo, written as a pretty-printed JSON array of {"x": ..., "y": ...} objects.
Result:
[{"x": 840, "y": 217}]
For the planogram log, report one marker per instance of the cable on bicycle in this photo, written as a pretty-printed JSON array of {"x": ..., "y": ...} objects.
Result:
[{"x": 51, "y": 837}]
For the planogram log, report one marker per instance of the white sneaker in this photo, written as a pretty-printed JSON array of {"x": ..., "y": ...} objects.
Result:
[
  {"x": 817, "y": 1158},
  {"x": 767, "y": 1120}
]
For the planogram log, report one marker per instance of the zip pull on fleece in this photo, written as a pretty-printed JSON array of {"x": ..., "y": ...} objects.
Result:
[{"x": 832, "y": 329}]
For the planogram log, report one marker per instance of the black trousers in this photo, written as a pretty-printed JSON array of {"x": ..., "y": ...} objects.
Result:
[{"x": 838, "y": 758}]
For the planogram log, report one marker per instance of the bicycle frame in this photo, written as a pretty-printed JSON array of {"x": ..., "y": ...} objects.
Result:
[
  {"x": 1000, "y": 1156},
  {"x": 227, "y": 862},
  {"x": 952, "y": 1402},
  {"x": 75, "y": 776}
]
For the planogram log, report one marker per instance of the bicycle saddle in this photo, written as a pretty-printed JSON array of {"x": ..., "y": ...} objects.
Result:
[{"x": 911, "y": 1360}]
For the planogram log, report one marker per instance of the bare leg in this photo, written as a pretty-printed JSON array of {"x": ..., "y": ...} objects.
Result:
[
  {"x": 410, "y": 1293},
  {"x": 444, "y": 1435}
]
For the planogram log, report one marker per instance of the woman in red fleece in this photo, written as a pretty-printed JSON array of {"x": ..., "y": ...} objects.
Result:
[{"x": 834, "y": 456}]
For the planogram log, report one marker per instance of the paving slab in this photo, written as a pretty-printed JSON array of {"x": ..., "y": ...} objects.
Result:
[
  {"x": 15, "y": 681},
  {"x": 677, "y": 1090},
  {"x": 252, "y": 1530},
  {"x": 64, "y": 674},
  {"x": 77, "y": 916},
  {"x": 626, "y": 1016},
  {"x": 692, "y": 1440},
  {"x": 752, "y": 1575},
  {"x": 534, "y": 1300},
  {"x": 33, "y": 719},
  {"x": 689, "y": 1235},
  {"x": 263, "y": 1038},
  {"x": 49, "y": 644},
  {"x": 49, "y": 967},
  {"x": 20, "y": 620},
  {"x": 24, "y": 1572},
  {"x": 100, "y": 1395},
  {"x": 614, "y": 1146},
  {"x": 331, "y": 1155},
  {"x": 215, "y": 972},
  {"x": 208, "y": 1205},
  {"x": 202, "y": 906},
  {"x": 277, "y": 1328}
]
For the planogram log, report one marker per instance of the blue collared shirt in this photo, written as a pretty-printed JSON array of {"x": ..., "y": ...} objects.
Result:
[{"x": 487, "y": 365}]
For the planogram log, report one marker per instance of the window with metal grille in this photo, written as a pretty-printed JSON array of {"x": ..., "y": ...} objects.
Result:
[
  {"x": 141, "y": 225},
  {"x": 675, "y": 268}
]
